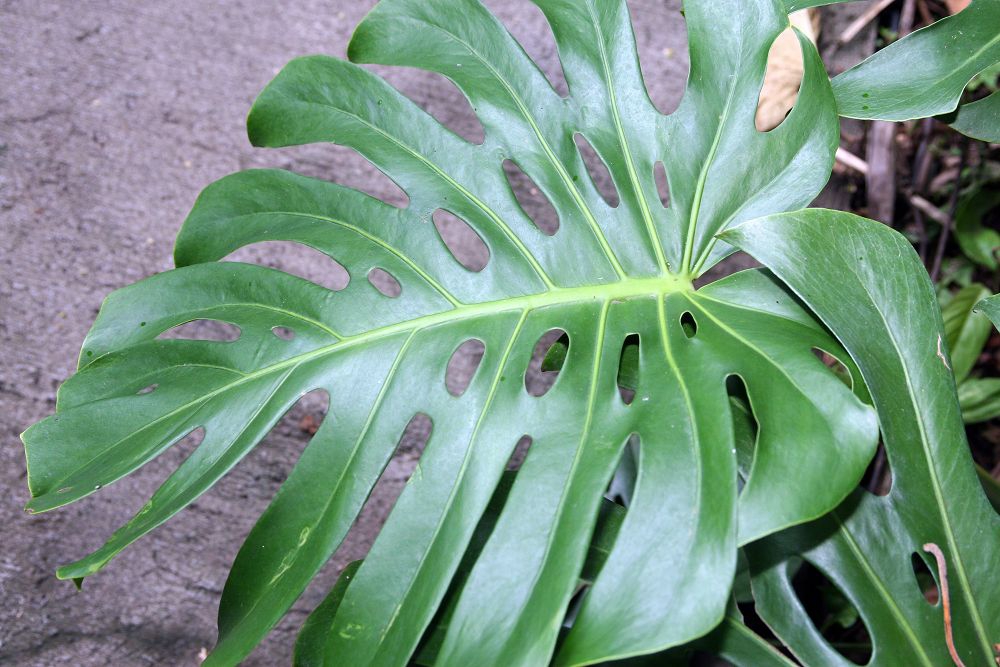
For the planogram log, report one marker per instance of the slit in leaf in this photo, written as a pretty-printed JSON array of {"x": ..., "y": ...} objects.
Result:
[
  {"x": 462, "y": 366},
  {"x": 520, "y": 453},
  {"x": 439, "y": 97},
  {"x": 622, "y": 484},
  {"x": 532, "y": 200},
  {"x": 385, "y": 282},
  {"x": 877, "y": 479},
  {"x": 628, "y": 368},
  {"x": 532, "y": 31},
  {"x": 296, "y": 259},
  {"x": 835, "y": 365},
  {"x": 214, "y": 330},
  {"x": 464, "y": 244},
  {"x": 688, "y": 324},
  {"x": 745, "y": 428},
  {"x": 430, "y": 644},
  {"x": 662, "y": 183},
  {"x": 926, "y": 580},
  {"x": 833, "y": 614},
  {"x": 598, "y": 171},
  {"x": 537, "y": 380},
  {"x": 783, "y": 77}
]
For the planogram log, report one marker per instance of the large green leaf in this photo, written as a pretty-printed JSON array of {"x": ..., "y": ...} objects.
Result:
[
  {"x": 965, "y": 330},
  {"x": 979, "y": 119},
  {"x": 924, "y": 73},
  {"x": 883, "y": 308},
  {"x": 980, "y": 243},
  {"x": 980, "y": 397},
  {"x": 607, "y": 275},
  {"x": 990, "y": 307}
]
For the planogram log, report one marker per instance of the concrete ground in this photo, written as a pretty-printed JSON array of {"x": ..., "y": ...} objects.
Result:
[{"x": 113, "y": 115}]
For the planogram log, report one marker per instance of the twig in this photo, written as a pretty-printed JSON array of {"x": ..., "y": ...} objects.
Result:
[
  {"x": 947, "y": 224},
  {"x": 942, "y": 567},
  {"x": 921, "y": 172},
  {"x": 906, "y": 18},
  {"x": 929, "y": 209},
  {"x": 858, "y": 24},
  {"x": 852, "y": 161},
  {"x": 925, "y": 14},
  {"x": 880, "y": 181}
]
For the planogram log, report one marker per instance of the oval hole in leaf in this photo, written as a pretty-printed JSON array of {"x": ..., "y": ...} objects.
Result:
[
  {"x": 628, "y": 368},
  {"x": 662, "y": 183},
  {"x": 533, "y": 201},
  {"x": 284, "y": 333},
  {"x": 598, "y": 171},
  {"x": 520, "y": 453},
  {"x": 745, "y": 428},
  {"x": 835, "y": 365},
  {"x": 537, "y": 380},
  {"x": 688, "y": 324},
  {"x": 833, "y": 614},
  {"x": 463, "y": 365},
  {"x": 622, "y": 484},
  {"x": 462, "y": 241},
  {"x": 297, "y": 259},
  {"x": 385, "y": 282},
  {"x": 215, "y": 330},
  {"x": 926, "y": 581},
  {"x": 877, "y": 479}
]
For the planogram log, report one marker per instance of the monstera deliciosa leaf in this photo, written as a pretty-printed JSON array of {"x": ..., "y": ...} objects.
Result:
[
  {"x": 608, "y": 275},
  {"x": 885, "y": 313}
]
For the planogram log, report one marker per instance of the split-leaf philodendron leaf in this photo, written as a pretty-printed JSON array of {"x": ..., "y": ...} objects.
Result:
[
  {"x": 608, "y": 274},
  {"x": 883, "y": 309},
  {"x": 924, "y": 73}
]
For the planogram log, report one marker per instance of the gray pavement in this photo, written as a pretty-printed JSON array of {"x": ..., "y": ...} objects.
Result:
[{"x": 113, "y": 115}]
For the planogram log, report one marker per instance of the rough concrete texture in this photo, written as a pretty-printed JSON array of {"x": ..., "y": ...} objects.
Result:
[{"x": 113, "y": 115}]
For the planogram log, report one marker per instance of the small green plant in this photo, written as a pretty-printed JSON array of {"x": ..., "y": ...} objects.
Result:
[{"x": 733, "y": 450}]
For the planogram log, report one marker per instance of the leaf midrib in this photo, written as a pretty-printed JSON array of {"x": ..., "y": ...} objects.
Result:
[
  {"x": 699, "y": 192},
  {"x": 629, "y": 289},
  {"x": 932, "y": 472}
]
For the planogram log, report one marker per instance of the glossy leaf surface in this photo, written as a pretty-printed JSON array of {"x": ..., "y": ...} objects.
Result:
[
  {"x": 979, "y": 119},
  {"x": 965, "y": 329},
  {"x": 978, "y": 240},
  {"x": 884, "y": 311},
  {"x": 924, "y": 73},
  {"x": 608, "y": 275}
]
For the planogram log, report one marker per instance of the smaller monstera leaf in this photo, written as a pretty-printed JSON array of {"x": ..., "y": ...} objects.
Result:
[
  {"x": 924, "y": 73},
  {"x": 965, "y": 329},
  {"x": 885, "y": 313},
  {"x": 979, "y": 119},
  {"x": 610, "y": 275}
]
